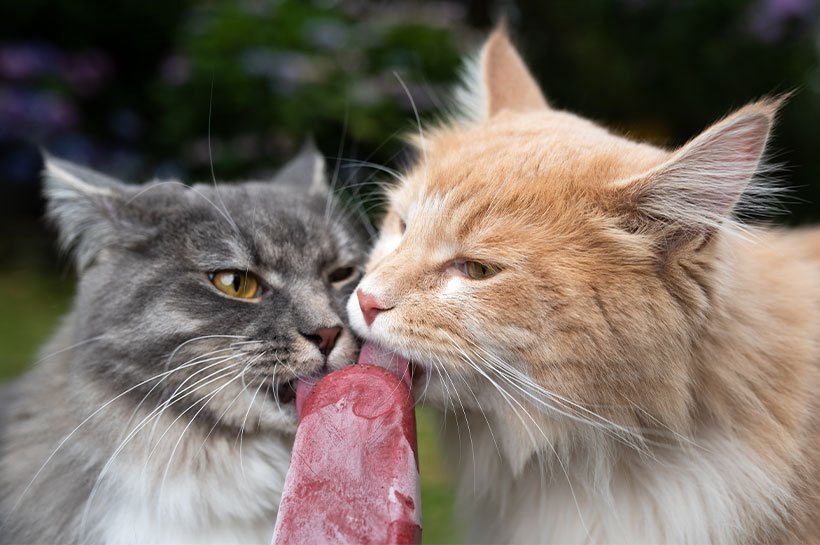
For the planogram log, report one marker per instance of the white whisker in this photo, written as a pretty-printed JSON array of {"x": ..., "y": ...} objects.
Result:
[{"x": 153, "y": 414}]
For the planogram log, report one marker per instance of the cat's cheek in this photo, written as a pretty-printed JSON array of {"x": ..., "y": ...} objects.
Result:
[{"x": 453, "y": 288}]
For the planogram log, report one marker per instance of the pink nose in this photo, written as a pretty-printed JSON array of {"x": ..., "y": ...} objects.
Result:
[
  {"x": 324, "y": 338},
  {"x": 370, "y": 306}
]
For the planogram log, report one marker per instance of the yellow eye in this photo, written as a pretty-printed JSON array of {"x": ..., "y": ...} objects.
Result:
[
  {"x": 239, "y": 284},
  {"x": 475, "y": 269}
]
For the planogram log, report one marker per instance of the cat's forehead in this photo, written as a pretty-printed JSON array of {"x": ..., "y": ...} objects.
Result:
[
  {"x": 531, "y": 152},
  {"x": 483, "y": 186},
  {"x": 262, "y": 225}
]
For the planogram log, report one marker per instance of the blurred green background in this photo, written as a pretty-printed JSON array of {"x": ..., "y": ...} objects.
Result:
[{"x": 132, "y": 88}]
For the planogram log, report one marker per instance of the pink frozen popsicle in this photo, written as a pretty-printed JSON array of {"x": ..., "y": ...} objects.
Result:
[{"x": 353, "y": 476}]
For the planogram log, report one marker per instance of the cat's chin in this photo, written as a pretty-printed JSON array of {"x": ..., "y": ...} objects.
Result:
[{"x": 264, "y": 408}]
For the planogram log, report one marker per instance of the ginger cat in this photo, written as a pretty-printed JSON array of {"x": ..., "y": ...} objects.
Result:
[{"x": 617, "y": 359}]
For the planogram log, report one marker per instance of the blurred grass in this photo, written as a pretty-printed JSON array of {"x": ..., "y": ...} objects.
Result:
[
  {"x": 436, "y": 485},
  {"x": 33, "y": 305}
]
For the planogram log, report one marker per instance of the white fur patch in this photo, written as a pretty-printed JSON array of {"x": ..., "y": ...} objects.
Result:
[
  {"x": 226, "y": 503},
  {"x": 469, "y": 102},
  {"x": 56, "y": 172},
  {"x": 686, "y": 495},
  {"x": 453, "y": 288},
  {"x": 386, "y": 244},
  {"x": 354, "y": 313}
]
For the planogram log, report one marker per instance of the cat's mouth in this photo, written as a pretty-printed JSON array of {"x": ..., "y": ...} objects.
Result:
[
  {"x": 286, "y": 392},
  {"x": 283, "y": 392}
]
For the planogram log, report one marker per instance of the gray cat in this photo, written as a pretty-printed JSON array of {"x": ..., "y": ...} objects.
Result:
[{"x": 162, "y": 411}]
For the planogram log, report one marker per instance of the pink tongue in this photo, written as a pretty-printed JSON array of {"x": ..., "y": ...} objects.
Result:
[
  {"x": 303, "y": 388},
  {"x": 370, "y": 354}
]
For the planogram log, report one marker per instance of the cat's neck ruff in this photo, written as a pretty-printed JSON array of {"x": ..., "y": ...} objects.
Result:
[
  {"x": 707, "y": 493},
  {"x": 222, "y": 501}
]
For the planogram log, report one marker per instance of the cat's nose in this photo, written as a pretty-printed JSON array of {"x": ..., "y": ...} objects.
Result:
[
  {"x": 370, "y": 306},
  {"x": 324, "y": 338}
]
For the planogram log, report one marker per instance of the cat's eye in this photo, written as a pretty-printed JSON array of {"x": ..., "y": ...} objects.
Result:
[
  {"x": 402, "y": 226},
  {"x": 475, "y": 269},
  {"x": 239, "y": 284},
  {"x": 341, "y": 274}
]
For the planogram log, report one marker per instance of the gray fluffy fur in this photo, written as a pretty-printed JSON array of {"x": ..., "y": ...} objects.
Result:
[{"x": 146, "y": 330}]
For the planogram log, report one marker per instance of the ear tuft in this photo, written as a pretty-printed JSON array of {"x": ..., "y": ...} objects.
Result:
[
  {"x": 82, "y": 204},
  {"x": 496, "y": 79},
  {"x": 701, "y": 184},
  {"x": 306, "y": 171}
]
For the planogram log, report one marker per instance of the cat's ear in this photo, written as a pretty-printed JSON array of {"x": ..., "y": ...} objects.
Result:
[
  {"x": 698, "y": 188},
  {"x": 497, "y": 79},
  {"x": 87, "y": 207},
  {"x": 305, "y": 172}
]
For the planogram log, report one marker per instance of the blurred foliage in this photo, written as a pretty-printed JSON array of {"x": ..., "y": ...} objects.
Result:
[
  {"x": 272, "y": 73},
  {"x": 240, "y": 84},
  {"x": 137, "y": 90}
]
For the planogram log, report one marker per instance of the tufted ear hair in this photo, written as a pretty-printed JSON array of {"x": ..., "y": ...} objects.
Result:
[
  {"x": 695, "y": 192},
  {"x": 497, "y": 79},
  {"x": 305, "y": 172},
  {"x": 89, "y": 209}
]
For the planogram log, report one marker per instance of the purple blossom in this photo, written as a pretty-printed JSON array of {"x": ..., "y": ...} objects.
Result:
[
  {"x": 771, "y": 17},
  {"x": 34, "y": 113},
  {"x": 84, "y": 71},
  {"x": 23, "y": 61}
]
